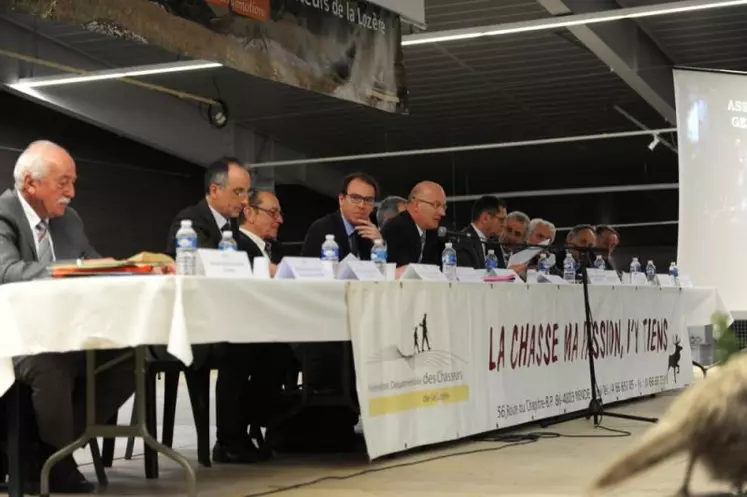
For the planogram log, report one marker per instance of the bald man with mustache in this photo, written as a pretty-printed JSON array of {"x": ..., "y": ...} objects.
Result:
[{"x": 412, "y": 236}]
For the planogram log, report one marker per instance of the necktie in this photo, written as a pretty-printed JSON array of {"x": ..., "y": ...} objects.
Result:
[
  {"x": 422, "y": 246},
  {"x": 226, "y": 227},
  {"x": 354, "y": 245},
  {"x": 268, "y": 250},
  {"x": 45, "y": 245}
]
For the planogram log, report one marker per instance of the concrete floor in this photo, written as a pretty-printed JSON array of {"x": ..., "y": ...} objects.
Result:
[{"x": 557, "y": 467}]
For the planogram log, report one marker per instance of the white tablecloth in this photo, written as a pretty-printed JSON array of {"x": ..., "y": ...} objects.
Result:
[{"x": 117, "y": 312}]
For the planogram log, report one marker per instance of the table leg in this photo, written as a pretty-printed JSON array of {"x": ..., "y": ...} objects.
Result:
[{"x": 138, "y": 428}]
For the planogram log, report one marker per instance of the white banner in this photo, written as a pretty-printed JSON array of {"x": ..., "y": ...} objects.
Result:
[{"x": 438, "y": 361}]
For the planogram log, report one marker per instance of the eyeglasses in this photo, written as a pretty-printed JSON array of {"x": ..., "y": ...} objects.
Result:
[
  {"x": 273, "y": 213},
  {"x": 358, "y": 199},
  {"x": 435, "y": 205}
]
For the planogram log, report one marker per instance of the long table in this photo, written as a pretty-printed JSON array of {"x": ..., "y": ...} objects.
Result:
[{"x": 434, "y": 361}]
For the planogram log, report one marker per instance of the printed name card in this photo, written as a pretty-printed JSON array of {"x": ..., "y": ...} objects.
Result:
[
  {"x": 602, "y": 277},
  {"x": 685, "y": 281},
  {"x": 639, "y": 280},
  {"x": 551, "y": 278},
  {"x": 468, "y": 274},
  {"x": 302, "y": 268},
  {"x": 425, "y": 272},
  {"x": 360, "y": 271},
  {"x": 223, "y": 263}
]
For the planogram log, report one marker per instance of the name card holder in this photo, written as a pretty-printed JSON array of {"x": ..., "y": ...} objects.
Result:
[
  {"x": 262, "y": 268},
  {"x": 471, "y": 275},
  {"x": 360, "y": 271},
  {"x": 302, "y": 268},
  {"x": 602, "y": 277},
  {"x": 551, "y": 278},
  {"x": 223, "y": 264},
  {"x": 424, "y": 272}
]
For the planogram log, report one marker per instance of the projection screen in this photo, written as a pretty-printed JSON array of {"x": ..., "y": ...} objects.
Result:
[{"x": 712, "y": 136}]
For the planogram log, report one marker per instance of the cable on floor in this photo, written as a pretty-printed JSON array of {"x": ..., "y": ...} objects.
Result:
[
  {"x": 509, "y": 440},
  {"x": 385, "y": 468}
]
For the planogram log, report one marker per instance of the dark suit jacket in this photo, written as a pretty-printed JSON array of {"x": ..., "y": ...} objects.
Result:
[
  {"x": 18, "y": 257},
  {"x": 208, "y": 236},
  {"x": 247, "y": 245},
  {"x": 203, "y": 222},
  {"x": 470, "y": 251},
  {"x": 403, "y": 242},
  {"x": 332, "y": 224}
]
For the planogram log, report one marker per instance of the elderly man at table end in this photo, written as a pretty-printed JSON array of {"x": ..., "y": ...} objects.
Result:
[{"x": 37, "y": 227}]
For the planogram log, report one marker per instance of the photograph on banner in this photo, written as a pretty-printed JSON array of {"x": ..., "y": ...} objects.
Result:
[
  {"x": 413, "y": 365},
  {"x": 349, "y": 49}
]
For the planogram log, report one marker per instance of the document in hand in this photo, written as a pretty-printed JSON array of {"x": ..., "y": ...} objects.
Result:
[{"x": 526, "y": 255}]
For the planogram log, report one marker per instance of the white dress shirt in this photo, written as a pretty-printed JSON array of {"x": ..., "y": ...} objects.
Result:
[
  {"x": 261, "y": 244},
  {"x": 220, "y": 219},
  {"x": 33, "y": 219}
]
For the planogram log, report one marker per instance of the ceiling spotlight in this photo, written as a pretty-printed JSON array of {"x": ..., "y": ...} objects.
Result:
[
  {"x": 218, "y": 114},
  {"x": 654, "y": 143}
]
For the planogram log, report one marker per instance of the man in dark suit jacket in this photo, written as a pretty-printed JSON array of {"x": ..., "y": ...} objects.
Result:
[
  {"x": 38, "y": 228},
  {"x": 351, "y": 224},
  {"x": 266, "y": 363},
  {"x": 411, "y": 236},
  {"x": 488, "y": 218},
  {"x": 608, "y": 239},
  {"x": 227, "y": 186}
]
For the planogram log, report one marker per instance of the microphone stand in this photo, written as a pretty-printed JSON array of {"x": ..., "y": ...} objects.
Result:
[{"x": 595, "y": 408}]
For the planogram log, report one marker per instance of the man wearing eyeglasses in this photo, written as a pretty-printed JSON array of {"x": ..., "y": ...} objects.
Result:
[
  {"x": 265, "y": 365},
  {"x": 351, "y": 224},
  {"x": 411, "y": 236},
  {"x": 227, "y": 186}
]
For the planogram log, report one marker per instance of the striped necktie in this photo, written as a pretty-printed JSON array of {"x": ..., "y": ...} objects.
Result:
[{"x": 45, "y": 245}]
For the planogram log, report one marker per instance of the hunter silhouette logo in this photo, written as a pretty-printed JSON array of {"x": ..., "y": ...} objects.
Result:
[
  {"x": 422, "y": 353},
  {"x": 674, "y": 358}
]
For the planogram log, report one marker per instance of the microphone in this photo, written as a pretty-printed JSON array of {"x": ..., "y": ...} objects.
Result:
[{"x": 453, "y": 235}]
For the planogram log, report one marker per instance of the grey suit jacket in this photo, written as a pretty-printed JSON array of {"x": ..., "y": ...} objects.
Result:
[{"x": 18, "y": 257}]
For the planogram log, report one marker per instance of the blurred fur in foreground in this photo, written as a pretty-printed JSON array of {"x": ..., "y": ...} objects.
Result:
[{"x": 707, "y": 422}]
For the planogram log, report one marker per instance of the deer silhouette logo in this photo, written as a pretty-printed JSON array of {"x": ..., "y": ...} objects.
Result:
[{"x": 674, "y": 358}]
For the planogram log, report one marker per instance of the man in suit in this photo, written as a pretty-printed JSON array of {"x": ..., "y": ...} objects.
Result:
[
  {"x": 582, "y": 235},
  {"x": 389, "y": 207},
  {"x": 354, "y": 233},
  {"x": 351, "y": 224},
  {"x": 411, "y": 236},
  {"x": 227, "y": 186},
  {"x": 608, "y": 239},
  {"x": 266, "y": 363},
  {"x": 488, "y": 220},
  {"x": 37, "y": 228},
  {"x": 514, "y": 232},
  {"x": 540, "y": 232}
]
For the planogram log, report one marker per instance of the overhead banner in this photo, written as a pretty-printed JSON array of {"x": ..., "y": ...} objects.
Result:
[
  {"x": 349, "y": 49},
  {"x": 438, "y": 362}
]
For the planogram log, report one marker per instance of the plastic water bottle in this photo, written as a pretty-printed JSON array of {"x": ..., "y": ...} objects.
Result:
[
  {"x": 569, "y": 268},
  {"x": 651, "y": 273},
  {"x": 674, "y": 274},
  {"x": 186, "y": 248},
  {"x": 331, "y": 253},
  {"x": 543, "y": 266},
  {"x": 227, "y": 242},
  {"x": 378, "y": 255},
  {"x": 491, "y": 260},
  {"x": 599, "y": 263},
  {"x": 635, "y": 267},
  {"x": 449, "y": 262}
]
